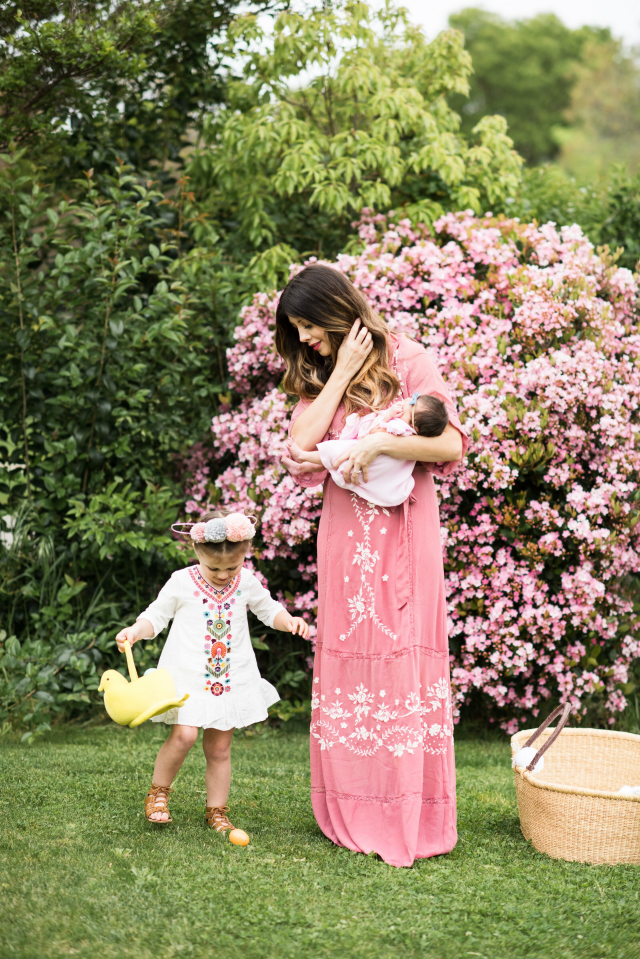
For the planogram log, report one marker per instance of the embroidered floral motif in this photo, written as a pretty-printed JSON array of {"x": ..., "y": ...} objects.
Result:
[
  {"x": 377, "y": 725},
  {"x": 363, "y": 605},
  {"x": 357, "y": 607},
  {"x": 217, "y": 642},
  {"x": 217, "y": 595},
  {"x": 218, "y": 663},
  {"x": 365, "y": 558}
]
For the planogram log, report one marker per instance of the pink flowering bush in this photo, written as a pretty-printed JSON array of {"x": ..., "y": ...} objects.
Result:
[{"x": 536, "y": 335}]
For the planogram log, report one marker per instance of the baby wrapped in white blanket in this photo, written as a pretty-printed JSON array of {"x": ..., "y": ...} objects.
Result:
[{"x": 390, "y": 480}]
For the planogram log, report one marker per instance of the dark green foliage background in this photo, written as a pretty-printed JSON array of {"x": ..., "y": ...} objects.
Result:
[
  {"x": 112, "y": 364},
  {"x": 525, "y": 71},
  {"x": 84, "y": 83}
]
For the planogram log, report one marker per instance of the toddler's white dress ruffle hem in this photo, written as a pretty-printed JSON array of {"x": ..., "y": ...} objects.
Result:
[{"x": 208, "y": 651}]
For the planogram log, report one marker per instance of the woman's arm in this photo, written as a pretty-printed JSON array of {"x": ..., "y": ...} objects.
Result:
[
  {"x": 313, "y": 425},
  {"x": 445, "y": 448}
]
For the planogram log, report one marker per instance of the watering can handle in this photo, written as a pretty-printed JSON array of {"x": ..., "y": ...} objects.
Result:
[{"x": 133, "y": 674}]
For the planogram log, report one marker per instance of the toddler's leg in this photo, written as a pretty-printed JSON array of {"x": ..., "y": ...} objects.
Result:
[
  {"x": 217, "y": 750},
  {"x": 170, "y": 758}
]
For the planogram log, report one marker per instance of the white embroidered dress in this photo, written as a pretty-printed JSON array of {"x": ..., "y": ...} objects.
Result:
[{"x": 208, "y": 651}]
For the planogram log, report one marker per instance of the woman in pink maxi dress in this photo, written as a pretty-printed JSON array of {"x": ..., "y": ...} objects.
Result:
[{"x": 382, "y": 760}]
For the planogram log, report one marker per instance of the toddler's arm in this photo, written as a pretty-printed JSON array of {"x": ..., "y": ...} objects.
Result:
[
  {"x": 141, "y": 629},
  {"x": 271, "y": 612},
  {"x": 394, "y": 410},
  {"x": 287, "y": 623},
  {"x": 154, "y": 618}
]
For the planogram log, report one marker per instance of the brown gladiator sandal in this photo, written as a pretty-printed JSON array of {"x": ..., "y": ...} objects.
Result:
[
  {"x": 216, "y": 817},
  {"x": 156, "y": 801}
]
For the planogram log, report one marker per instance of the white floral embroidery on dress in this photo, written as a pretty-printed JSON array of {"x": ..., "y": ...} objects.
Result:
[
  {"x": 388, "y": 728},
  {"x": 363, "y": 605}
]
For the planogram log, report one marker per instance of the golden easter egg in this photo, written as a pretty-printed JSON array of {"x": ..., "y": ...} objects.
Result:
[{"x": 238, "y": 837}]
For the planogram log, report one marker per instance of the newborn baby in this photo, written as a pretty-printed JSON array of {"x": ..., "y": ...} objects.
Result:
[{"x": 390, "y": 480}]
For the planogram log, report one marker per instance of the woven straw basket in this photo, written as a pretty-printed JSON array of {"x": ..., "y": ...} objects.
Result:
[{"x": 570, "y": 809}]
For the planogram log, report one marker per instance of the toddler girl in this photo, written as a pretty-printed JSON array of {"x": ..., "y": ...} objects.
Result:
[
  {"x": 390, "y": 480},
  {"x": 209, "y": 655}
]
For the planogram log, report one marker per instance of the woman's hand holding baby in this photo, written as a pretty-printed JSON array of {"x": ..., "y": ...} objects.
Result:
[{"x": 358, "y": 460}]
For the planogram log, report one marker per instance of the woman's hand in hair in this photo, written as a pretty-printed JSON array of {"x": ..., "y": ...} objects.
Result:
[
  {"x": 354, "y": 350},
  {"x": 362, "y": 454}
]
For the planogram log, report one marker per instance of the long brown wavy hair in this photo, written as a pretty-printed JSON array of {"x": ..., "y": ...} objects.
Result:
[{"x": 325, "y": 298}]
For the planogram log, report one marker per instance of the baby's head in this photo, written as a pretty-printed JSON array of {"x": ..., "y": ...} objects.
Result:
[
  {"x": 221, "y": 541},
  {"x": 428, "y": 415}
]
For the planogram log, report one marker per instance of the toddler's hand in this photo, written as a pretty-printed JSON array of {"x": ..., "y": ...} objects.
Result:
[
  {"x": 130, "y": 633},
  {"x": 299, "y": 626}
]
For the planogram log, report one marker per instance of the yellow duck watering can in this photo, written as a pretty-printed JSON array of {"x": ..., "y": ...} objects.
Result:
[{"x": 131, "y": 704}]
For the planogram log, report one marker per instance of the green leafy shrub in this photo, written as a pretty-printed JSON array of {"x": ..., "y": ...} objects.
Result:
[
  {"x": 110, "y": 368},
  {"x": 336, "y": 110}
]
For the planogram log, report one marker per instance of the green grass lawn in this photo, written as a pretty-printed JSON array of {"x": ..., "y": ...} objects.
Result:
[{"x": 83, "y": 874}]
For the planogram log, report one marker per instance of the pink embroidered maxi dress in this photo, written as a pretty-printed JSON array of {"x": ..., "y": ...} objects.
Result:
[{"x": 382, "y": 763}]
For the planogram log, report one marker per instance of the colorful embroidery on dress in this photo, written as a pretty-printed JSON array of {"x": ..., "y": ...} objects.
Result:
[
  {"x": 217, "y": 641},
  {"x": 217, "y": 648},
  {"x": 217, "y": 595}
]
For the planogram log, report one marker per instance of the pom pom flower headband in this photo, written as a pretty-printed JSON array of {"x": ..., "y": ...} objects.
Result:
[{"x": 235, "y": 528}]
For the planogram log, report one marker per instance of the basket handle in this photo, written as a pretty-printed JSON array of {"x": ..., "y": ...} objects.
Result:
[{"x": 565, "y": 710}]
